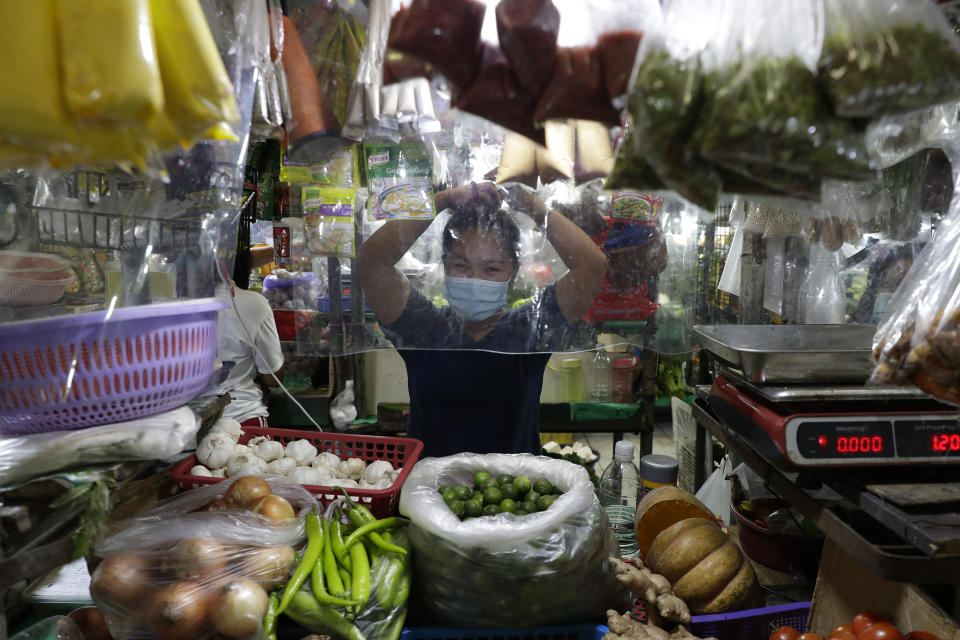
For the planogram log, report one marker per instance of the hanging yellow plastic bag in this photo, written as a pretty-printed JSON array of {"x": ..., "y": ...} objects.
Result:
[
  {"x": 32, "y": 115},
  {"x": 198, "y": 92},
  {"x": 110, "y": 70}
]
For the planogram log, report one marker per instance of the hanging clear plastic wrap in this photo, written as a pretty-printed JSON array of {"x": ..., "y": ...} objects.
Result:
[{"x": 919, "y": 340}]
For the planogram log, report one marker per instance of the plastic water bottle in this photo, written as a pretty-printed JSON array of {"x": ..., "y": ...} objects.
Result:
[
  {"x": 602, "y": 375},
  {"x": 822, "y": 296},
  {"x": 619, "y": 494}
]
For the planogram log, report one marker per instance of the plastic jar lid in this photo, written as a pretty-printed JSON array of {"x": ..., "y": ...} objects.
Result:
[
  {"x": 623, "y": 363},
  {"x": 656, "y": 467},
  {"x": 571, "y": 363}
]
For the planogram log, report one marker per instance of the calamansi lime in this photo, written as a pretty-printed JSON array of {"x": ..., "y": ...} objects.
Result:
[
  {"x": 508, "y": 506},
  {"x": 504, "y": 478},
  {"x": 458, "y": 508},
  {"x": 508, "y": 490},
  {"x": 542, "y": 486},
  {"x": 492, "y": 496},
  {"x": 491, "y": 510},
  {"x": 522, "y": 483},
  {"x": 529, "y": 506},
  {"x": 473, "y": 508},
  {"x": 479, "y": 478},
  {"x": 544, "y": 502},
  {"x": 463, "y": 492}
]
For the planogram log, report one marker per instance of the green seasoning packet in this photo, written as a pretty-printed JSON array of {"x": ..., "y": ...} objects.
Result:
[
  {"x": 328, "y": 221},
  {"x": 339, "y": 171},
  {"x": 400, "y": 181}
]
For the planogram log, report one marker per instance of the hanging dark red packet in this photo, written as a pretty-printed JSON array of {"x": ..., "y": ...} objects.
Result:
[
  {"x": 444, "y": 33},
  {"x": 496, "y": 95},
  {"x": 528, "y": 34},
  {"x": 576, "y": 89},
  {"x": 618, "y": 50}
]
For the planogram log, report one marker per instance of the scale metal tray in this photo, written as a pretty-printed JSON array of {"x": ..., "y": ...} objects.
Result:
[{"x": 795, "y": 353}]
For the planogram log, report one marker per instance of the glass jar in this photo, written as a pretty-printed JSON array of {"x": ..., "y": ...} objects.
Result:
[{"x": 571, "y": 380}]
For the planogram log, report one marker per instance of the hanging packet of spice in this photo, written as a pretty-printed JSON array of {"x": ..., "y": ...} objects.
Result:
[
  {"x": 762, "y": 101},
  {"x": 576, "y": 88},
  {"x": 888, "y": 57},
  {"x": 328, "y": 221},
  {"x": 621, "y": 27},
  {"x": 443, "y": 33},
  {"x": 527, "y": 31},
  {"x": 400, "y": 181}
]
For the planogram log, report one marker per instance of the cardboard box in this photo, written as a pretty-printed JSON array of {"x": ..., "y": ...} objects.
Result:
[{"x": 844, "y": 588}]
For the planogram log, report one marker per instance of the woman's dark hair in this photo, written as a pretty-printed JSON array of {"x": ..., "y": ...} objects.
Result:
[{"x": 495, "y": 222}]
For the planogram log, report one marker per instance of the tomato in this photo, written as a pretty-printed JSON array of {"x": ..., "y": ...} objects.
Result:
[
  {"x": 864, "y": 619},
  {"x": 840, "y": 630},
  {"x": 921, "y": 635},
  {"x": 785, "y": 633},
  {"x": 809, "y": 636},
  {"x": 880, "y": 631}
]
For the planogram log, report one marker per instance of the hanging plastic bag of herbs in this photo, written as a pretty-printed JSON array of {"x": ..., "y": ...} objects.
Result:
[
  {"x": 764, "y": 115},
  {"x": 666, "y": 94},
  {"x": 888, "y": 57}
]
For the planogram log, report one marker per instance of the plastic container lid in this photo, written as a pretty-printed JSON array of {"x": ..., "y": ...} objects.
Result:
[
  {"x": 656, "y": 467},
  {"x": 623, "y": 363},
  {"x": 623, "y": 450},
  {"x": 571, "y": 363}
]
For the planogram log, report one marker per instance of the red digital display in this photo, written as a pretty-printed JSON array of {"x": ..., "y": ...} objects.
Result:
[
  {"x": 859, "y": 444},
  {"x": 946, "y": 442}
]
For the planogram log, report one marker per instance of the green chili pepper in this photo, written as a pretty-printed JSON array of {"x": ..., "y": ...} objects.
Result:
[
  {"x": 396, "y": 626},
  {"x": 402, "y": 591},
  {"x": 331, "y": 572},
  {"x": 336, "y": 538},
  {"x": 320, "y": 592},
  {"x": 305, "y": 611},
  {"x": 358, "y": 519},
  {"x": 270, "y": 618},
  {"x": 386, "y": 523},
  {"x": 309, "y": 558},
  {"x": 360, "y": 587}
]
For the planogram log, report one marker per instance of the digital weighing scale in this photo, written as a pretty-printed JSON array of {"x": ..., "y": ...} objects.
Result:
[
  {"x": 799, "y": 395},
  {"x": 819, "y": 426}
]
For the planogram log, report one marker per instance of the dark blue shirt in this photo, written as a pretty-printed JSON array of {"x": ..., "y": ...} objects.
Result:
[{"x": 481, "y": 396}]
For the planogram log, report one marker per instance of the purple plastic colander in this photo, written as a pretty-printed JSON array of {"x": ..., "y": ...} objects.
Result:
[
  {"x": 752, "y": 624},
  {"x": 77, "y": 371}
]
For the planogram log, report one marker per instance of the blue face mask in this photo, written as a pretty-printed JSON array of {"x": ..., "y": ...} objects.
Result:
[{"x": 474, "y": 299}]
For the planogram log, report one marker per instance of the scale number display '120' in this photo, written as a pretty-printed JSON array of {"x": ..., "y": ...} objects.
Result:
[{"x": 946, "y": 442}]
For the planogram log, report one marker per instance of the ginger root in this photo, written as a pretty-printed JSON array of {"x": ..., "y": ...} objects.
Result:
[
  {"x": 623, "y": 627},
  {"x": 655, "y": 590}
]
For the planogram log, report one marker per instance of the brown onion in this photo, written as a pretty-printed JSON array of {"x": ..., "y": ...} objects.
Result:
[
  {"x": 121, "y": 581},
  {"x": 268, "y": 566},
  {"x": 179, "y": 611},
  {"x": 274, "y": 508},
  {"x": 247, "y": 490},
  {"x": 91, "y": 623},
  {"x": 239, "y": 608},
  {"x": 197, "y": 557}
]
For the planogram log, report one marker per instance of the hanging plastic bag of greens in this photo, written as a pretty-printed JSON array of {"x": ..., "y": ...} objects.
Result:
[
  {"x": 764, "y": 115},
  {"x": 918, "y": 342},
  {"x": 888, "y": 57},
  {"x": 665, "y": 98}
]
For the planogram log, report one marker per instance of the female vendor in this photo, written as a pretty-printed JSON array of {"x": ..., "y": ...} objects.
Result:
[{"x": 475, "y": 368}]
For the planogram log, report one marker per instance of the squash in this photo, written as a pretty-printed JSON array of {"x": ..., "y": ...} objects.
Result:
[
  {"x": 663, "y": 507},
  {"x": 705, "y": 567}
]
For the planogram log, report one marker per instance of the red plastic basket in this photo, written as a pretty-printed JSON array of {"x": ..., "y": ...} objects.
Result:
[{"x": 402, "y": 453}]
